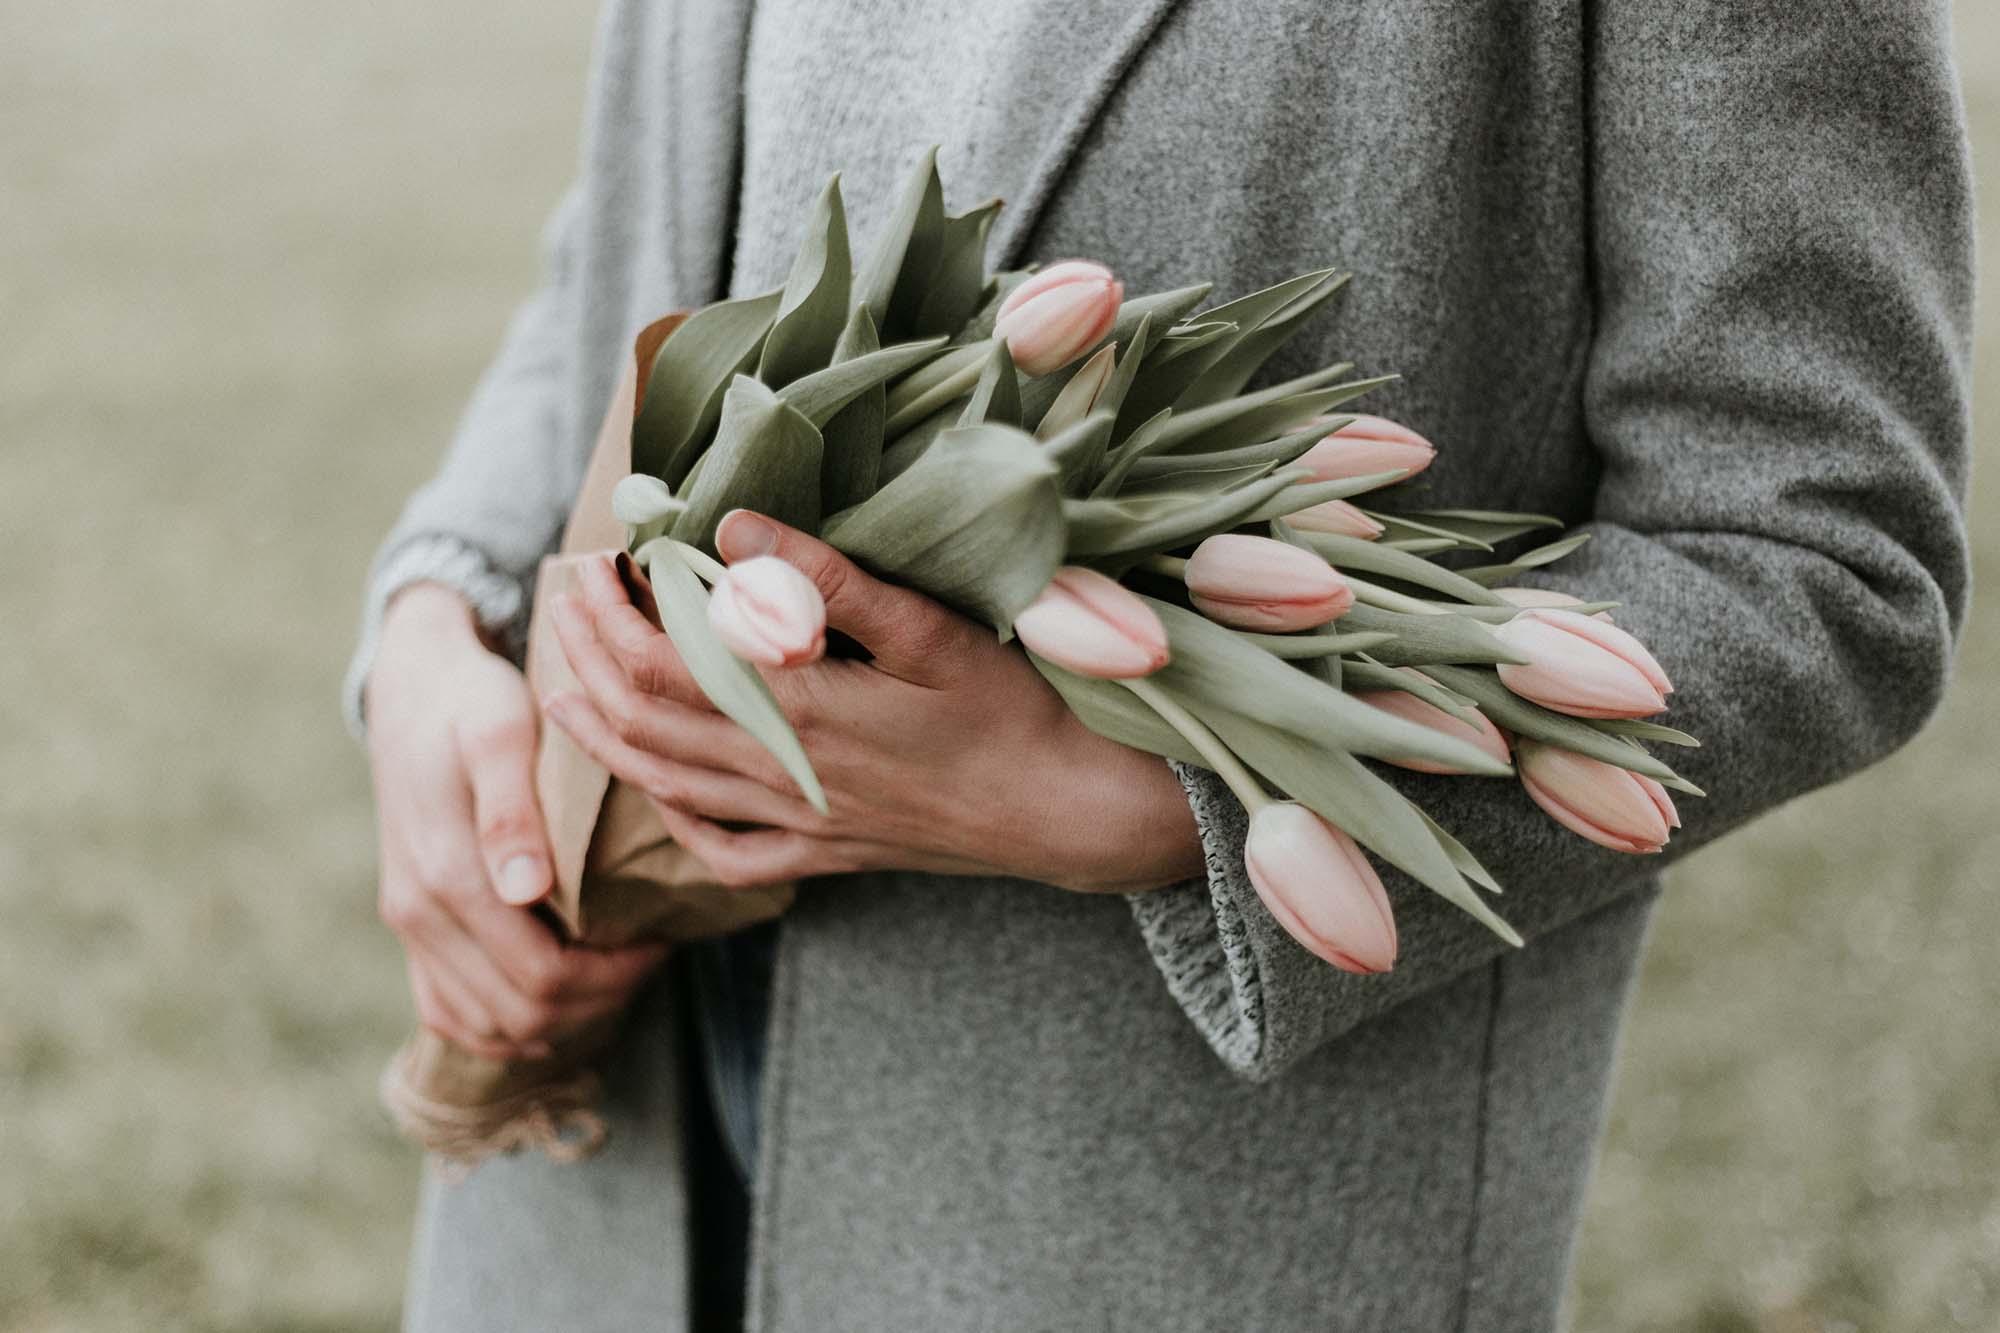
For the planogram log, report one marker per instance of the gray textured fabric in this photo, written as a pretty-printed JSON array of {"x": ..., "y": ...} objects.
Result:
[{"x": 1698, "y": 274}]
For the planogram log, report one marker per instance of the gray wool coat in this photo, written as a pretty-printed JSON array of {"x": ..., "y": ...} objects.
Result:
[{"x": 1695, "y": 275}]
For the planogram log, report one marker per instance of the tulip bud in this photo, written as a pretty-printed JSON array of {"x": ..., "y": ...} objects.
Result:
[
  {"x": 1317, "y": 885},
  {"x": 1479, "y": 731},
  {"x": 1544, "y": 597},
  {"x": 1258, "y": 583},
  {"x": 1366, "y": 446},
  {"x": 765, "y": 611},
  {"x": 1627, "y": 812},
  {"x": 1581, "y": 666},
  {"x": 1088, "y": 623},
  {"x": 1058, "y": 314},
  {"x": 1336, "y": 516}
]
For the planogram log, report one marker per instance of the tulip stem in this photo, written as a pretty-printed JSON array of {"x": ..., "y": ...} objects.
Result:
[
  {"x": 1173, "y": 566},
  {"x": 913, "y": 408},
  {"x": 1206, "y": 743},
  {"x": 1388, "y": 600},
  {"x": 706, "y": 567}
]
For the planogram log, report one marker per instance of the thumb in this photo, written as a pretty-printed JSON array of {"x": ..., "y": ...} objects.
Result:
[
  {"x": 903, "y": 629},
  {"x": 513, "y": 842}
]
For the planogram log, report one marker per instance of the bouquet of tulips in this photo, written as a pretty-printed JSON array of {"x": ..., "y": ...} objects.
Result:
[{"x": 1180, "y": 556}]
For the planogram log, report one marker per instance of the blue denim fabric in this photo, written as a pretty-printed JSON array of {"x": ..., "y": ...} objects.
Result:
[{"x": 731, "y": 979}]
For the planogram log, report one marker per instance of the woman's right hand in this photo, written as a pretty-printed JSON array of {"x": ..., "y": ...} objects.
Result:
[{"x": 464, "y": 854}]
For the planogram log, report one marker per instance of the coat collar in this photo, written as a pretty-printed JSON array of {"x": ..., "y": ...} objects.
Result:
[{"x": 705, "y": 55}]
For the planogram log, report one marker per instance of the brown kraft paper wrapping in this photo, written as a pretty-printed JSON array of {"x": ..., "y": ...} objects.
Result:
[{"x": 618, "y": 876}]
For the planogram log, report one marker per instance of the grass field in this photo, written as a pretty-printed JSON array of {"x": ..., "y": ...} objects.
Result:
[{"x": 251, "y": 257}]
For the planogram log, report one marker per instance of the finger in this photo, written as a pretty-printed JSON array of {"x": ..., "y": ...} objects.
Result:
[
  {"x": 447, "y": 1006},
  {"x": 909, "y": 635},
  {"x": 513, "y": 841},
  {"x": 756, "y": 857},
  {"x": 714, "y": 793},
  {"x": 643, "y": 652},
  {"x": 658, "y": 725},
  {"x": 544, "y": 972}
]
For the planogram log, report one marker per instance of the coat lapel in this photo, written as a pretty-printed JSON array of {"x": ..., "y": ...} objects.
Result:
[{"x": 1015, "y": 229}]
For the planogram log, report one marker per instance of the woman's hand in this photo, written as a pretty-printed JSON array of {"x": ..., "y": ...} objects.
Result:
[
  {"x": 946, "y": 752},
  {"x": 451, "y": 733}
]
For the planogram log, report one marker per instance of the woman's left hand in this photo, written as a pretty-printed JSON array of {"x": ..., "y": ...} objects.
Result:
[{"x": 946, "y": 751}]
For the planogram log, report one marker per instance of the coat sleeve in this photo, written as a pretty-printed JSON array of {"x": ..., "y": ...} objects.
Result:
[
  {"x": 498, "y": 501},
  {"x": 1777, "y": 389}
]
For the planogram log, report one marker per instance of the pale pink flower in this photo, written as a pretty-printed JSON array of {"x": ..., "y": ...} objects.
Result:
[
  {"x": 1320, "y": 888},
  {"x": 1581, "y": 666},
  {"x": 1366, "y": 446},
  {"x": 1089, "y": 623},
  {"x": 1058, "y": 314},
  {"x": 1259, "y": 583},
  {"x": 765, "y": 611},
  {"x": 1625, "y": 811}
]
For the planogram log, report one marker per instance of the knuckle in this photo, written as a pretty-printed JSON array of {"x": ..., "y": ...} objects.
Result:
[
  {"x": 508, "y": 825},
  {"x": 543, "y": 976},
  {"x": 399, "y": 912},
  {"x": 500, "y": 736}
]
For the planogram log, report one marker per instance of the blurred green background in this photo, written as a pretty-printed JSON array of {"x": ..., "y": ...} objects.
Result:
[{"x": 251, "y": 258}]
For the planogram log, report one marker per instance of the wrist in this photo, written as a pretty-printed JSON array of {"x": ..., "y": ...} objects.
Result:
[{"x": 1131, "y": 828}]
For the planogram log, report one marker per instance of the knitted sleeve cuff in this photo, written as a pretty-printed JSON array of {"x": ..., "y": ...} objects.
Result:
[
  {"x": 499, "y": 602},
  {"x": 1197, "y": 934}
]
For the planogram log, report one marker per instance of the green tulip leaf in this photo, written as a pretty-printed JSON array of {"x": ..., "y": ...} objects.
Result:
[
  {"x": 959, "y": 284},
  {"x": 975, "y": 522},
  {"x": 731, "y": 684},
  {"x": 1368, "y": 558},
  {"x": 766, "y": 457},
  {"x": 899, "y": 269},
  {"x": 1212, "y": 668},
  {"x": 1493, "y": 576},
  {"x": 851, "y": 437},
  {"x": 1488, "y": 526},
  {"x": 1304, "y": 647},
  {"x": 1114, "y": 712},
  {"x": 1267, "y": 412},
  {"x": 1427, "y": 640},
  {"x": 824, "y": 392},
  {"x": 689, "y": 376},
  {"x": 997, "y": 396},
  {"x": 1136, "y": 446},
  {"x": 813, "y": 311},
  {"x": 1247, "y": 354},
  {"x": 1365, "y": 676}
]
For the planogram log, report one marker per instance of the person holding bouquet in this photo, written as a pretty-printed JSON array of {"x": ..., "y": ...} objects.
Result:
[{"x": 1030, "y": 1051}]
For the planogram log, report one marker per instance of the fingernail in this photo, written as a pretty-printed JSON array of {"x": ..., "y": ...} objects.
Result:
[
  {"x": 523, "y": 879},
  {"x": 743, "y": 534}
]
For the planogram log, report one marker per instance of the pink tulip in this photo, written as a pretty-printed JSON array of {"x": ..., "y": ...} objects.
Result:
[
  {"x": 1336, "y": 516},
  {"x": 1366, "y": 446},
  {"x": 765, "y": 611},
  {"x": 1261, "y": 584},
  {"x": 1581, "y": 666},
  {"x": 1624, "y": 811},
  {"x": 1059, "y": 314},
  {"x": 1090, "y": 624},
  {"x": 1544, "y": 597},
  {"x": 1316, "y": 884},
  {"x": 1480, "y": 731}
]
